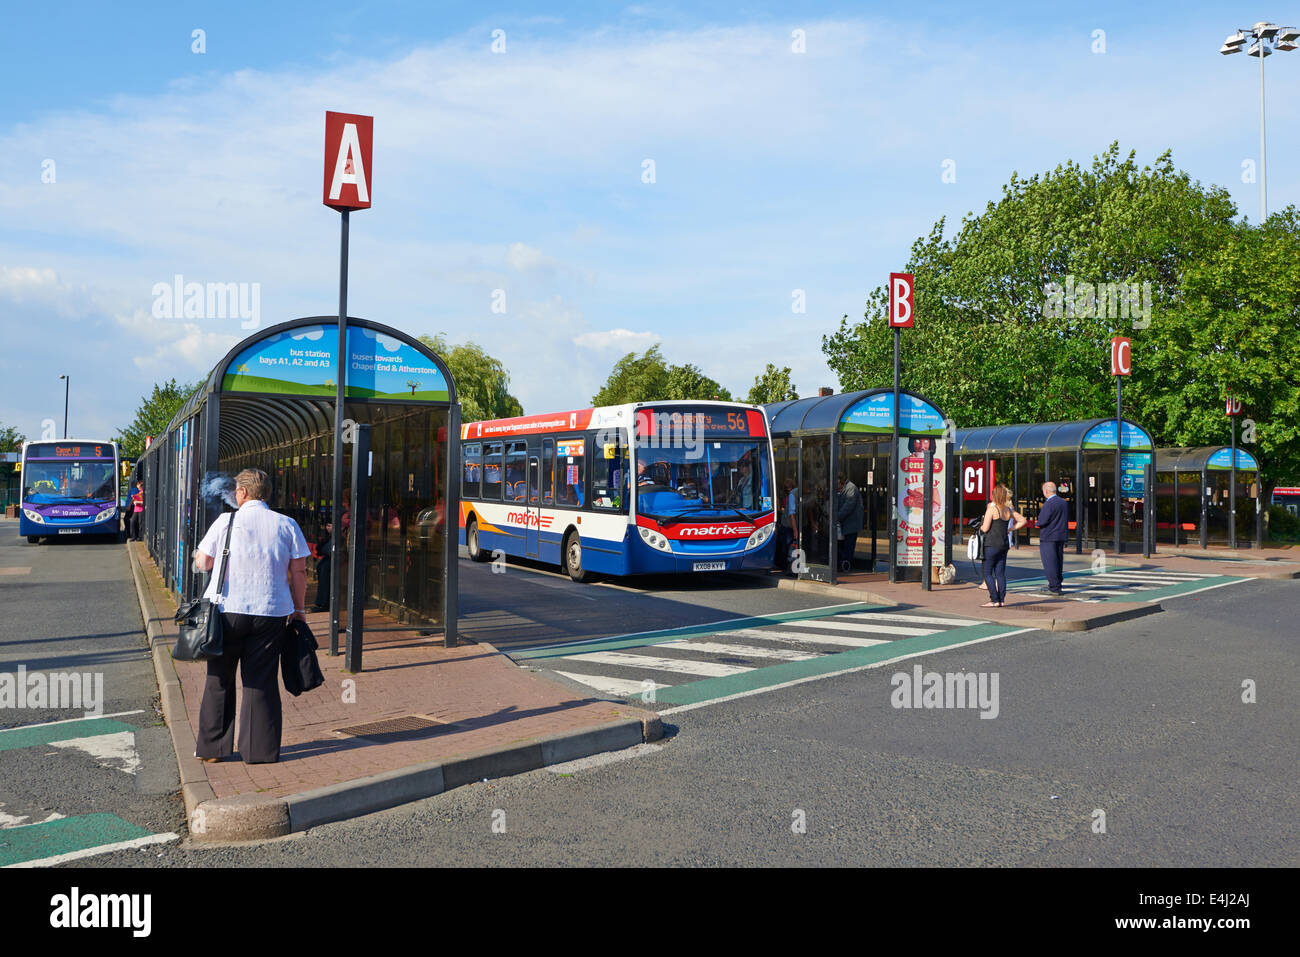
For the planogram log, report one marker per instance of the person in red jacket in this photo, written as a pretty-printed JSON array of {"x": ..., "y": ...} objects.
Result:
[{"x": 136, "y": 509}]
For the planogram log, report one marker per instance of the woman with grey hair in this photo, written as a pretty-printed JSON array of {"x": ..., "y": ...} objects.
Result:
[{"x": 265, "y": 589}]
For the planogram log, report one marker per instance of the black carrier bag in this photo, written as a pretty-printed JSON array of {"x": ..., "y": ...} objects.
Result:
[
  {"x": 298, "y": 665},
  {"x": 200, "y": 621}
]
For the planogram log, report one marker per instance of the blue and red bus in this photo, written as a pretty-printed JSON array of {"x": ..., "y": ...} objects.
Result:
[
  {"x": 69, "y": 488},
  {"x": 642, "y": 488}
]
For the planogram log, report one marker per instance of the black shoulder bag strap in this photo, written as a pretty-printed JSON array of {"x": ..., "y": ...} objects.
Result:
[{"x": 225, "y": 558}]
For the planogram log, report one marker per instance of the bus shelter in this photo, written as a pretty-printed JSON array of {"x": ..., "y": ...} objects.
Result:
[
  {"x": 1079, "y": 457},
  {"x": 816, "y": 439},
  {"x": 1194, "y": 496},
  {"x": 269, "y": 404}
]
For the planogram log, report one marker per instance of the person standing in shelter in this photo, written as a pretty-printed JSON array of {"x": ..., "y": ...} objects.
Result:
[
  {"x": 999, "y": 518},
  {"x": 265, "y": 588},
  {"x": 1053, "y": 529},
  {"x": 848, "y": 516},
  {"x": 137, "y": 511}
]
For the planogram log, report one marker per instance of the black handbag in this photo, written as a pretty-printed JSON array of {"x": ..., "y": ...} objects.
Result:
[
  {"x": 298, "y": 665},
  {"x": 200, "y": 621}
]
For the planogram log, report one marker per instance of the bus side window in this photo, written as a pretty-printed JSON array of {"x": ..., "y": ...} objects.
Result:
[
  {"x": 548, "y": 469},
  {"x": 492, "y": 469},
  {"x": 472, "y": 453}
]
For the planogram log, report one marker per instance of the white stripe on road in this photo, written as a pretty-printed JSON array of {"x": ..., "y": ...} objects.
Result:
[
  {"x": 684, "y": 666},
  {"x": 860, "y": 628},
  {"x": 842, "y": 640},
  {"x": 93, "y": 717},
  {"x": 101, "y": 849},
  {"x": 741, "y": 651},
  {"x": 1148, "y": 577},
  {"x": 919, "y": 619},
  {"x": 1197, "y": 591},
  {"x": 846, "y": 671},
  {"x": 618, "y": 686}
]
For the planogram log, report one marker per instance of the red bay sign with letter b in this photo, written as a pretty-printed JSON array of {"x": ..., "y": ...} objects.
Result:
[
  {"x": 347, "y": 160},
  {"x": 901, "y": 300}
]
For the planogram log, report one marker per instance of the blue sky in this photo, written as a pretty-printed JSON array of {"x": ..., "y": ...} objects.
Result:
[{"x": 775, "y": 171}]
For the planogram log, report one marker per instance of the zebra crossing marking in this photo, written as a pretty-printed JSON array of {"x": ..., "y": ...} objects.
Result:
[{"x": 827, "y": 645}]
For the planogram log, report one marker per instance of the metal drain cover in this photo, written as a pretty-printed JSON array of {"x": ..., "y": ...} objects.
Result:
[{"x": 410, "y": 725}]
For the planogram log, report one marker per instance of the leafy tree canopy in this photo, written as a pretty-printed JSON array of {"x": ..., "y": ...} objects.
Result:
[
  {"x": 153, "y": 416},
  {"x": 1009, "y": 326},
  {"x": 772, "y": 385},
  {"x": 648, "y": 377},
  {"x": 482, "y": 382},
  {"x": 11, "y": 440}
]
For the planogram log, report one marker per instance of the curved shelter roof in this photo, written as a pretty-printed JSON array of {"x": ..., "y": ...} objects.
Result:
[
  {"x": 866, "y": 411},
  {"x": 1203, "y": 457},
  {"x": 293, "y": 397},
  {"x": 1050, "y": 436}
]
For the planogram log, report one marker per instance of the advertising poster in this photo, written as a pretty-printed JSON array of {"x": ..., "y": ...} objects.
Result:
[
  {"x": 912, "y": 522},
  {"x": 1132, "y": 473}
]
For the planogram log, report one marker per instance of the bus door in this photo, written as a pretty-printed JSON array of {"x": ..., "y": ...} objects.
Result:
[{"x": 533, "y": 509}]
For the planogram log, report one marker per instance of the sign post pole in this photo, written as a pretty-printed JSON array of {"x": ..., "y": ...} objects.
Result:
[
  {"x": 1234, "y": 409},
  {"x": 1121, "y": 364},
  {"x": 901, "y": 310},
  {"x": 348, "y": 140}
]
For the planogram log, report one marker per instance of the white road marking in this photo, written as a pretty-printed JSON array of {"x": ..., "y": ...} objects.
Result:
[
  {"x": 616, "y": 686},
  {"x": 101, "y": 849},
  {"x": 110, "y": 750},
  {"x": 743, "y": 651},
  {"x": 919, "y": 619},
  {"x": 709, "y": 669},
  {"x": 842, "y": 640},
  {"x": 1197, "y": 591},
  {"x": 846, "y": 671},
  {"x": 860, "y": 628},
  {"x": 94, "y": 717}
]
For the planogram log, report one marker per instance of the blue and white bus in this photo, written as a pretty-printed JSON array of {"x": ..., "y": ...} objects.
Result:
[
  {"x": 634, "y": 489},
  {"x": 69, "y": 488}
]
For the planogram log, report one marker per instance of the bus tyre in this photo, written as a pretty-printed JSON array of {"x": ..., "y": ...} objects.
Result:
[
  {"x": 33, "y": 539},
  {"x": 471, "y": 542},
  {"x": 573, "y": 557}
]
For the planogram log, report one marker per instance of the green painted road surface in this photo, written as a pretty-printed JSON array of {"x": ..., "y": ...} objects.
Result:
[
  {"x": 33, "y": 735},
  {"x": 1114, "y": 584}
]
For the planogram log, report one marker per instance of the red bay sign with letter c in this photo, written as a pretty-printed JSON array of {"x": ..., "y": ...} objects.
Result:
[
  {"x": 347, "y": 160},
  {"x": 1121, "y": 356},
  {"x": 975, "y": 482},
  {"x": 901, "y": 300}
]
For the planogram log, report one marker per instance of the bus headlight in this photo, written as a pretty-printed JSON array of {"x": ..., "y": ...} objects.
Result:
[
  {"x": 34, "y": 516},
  {"x": 654, "y": 539},
  {"x": 760, "y": 535},
  {"x": 105, "y": 515}
]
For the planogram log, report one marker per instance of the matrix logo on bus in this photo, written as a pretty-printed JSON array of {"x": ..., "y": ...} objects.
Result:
[
  {"x": 714, "y": 531},
  {"x": 529, "y": 518}
]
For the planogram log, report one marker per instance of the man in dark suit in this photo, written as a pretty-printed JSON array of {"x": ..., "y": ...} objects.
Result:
[{"x": 1053, "y": 529}]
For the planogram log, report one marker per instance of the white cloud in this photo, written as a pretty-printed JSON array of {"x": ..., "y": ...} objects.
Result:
[{"x": 624, "y": 340}]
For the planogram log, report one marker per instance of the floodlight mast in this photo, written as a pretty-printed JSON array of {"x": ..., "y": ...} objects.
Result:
[{"x": 1269, "y": 38}]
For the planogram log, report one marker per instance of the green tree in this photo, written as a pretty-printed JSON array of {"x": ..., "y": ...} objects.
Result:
[
  {"x": 988, "y": 348},
  {"x": 153, "y": 416},
  {"x": 11, "y": 440},
  {"x": 772, "y": 385},
  {"x": 647, "y": 377},
  {"x": 482, "y": 382}
]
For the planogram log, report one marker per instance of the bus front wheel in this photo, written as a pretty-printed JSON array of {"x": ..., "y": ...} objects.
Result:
[
  {"x": 573, "y": 558},
  {"x": 33, "y": 539},
  {"x": 476, "y": 553}
]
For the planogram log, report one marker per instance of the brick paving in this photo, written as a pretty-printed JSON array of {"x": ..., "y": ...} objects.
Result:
[{"x": 491, "y": 703}]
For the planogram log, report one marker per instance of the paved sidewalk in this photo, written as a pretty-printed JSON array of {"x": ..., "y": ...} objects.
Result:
[{"x": 480, "y": 715}]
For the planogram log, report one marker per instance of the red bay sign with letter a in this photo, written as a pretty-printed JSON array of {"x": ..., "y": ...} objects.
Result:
[
  {"x": 347, "y": 160},
  {"x": 901, "y": 300}
]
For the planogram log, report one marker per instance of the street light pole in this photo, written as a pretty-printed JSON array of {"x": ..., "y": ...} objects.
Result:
[
  {"x": 67, "y": 382},
  {"x": 1269, "y": 39}
]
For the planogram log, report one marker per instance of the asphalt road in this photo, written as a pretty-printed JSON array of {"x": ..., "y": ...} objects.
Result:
[
  {"x": 1143, "y": 721},
  {"x": 74, "y": 611}
]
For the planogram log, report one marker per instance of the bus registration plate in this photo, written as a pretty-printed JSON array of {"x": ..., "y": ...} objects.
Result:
[
  {"x": 708, "y": 566},
  {"x": 69, "y": 531}
]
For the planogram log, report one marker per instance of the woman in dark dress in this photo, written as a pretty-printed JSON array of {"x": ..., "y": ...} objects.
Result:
[{"x": 996, "y": 519}]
